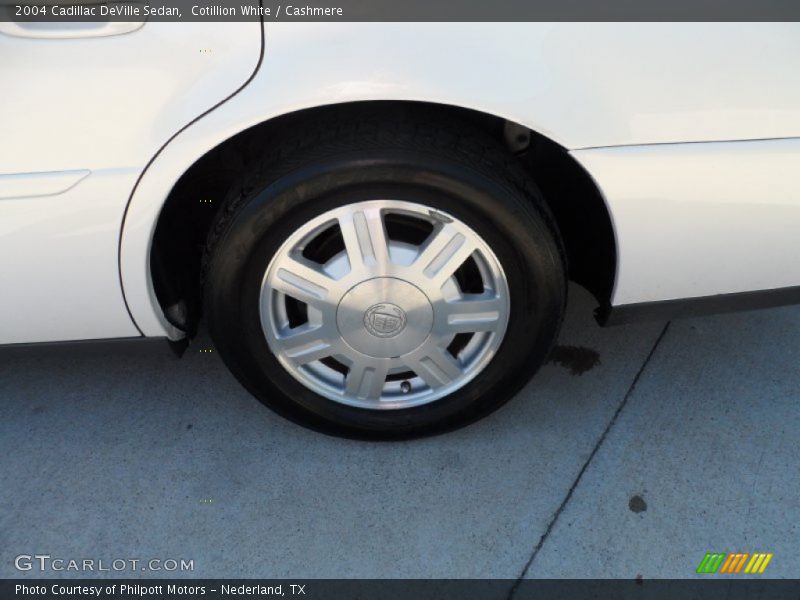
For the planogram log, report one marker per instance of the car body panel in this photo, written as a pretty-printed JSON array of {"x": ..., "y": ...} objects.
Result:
[
  {"x": 656, "y": 89},
  {"x": 695, "y": 220},
  {"x": 583, "y": 85},
  {"x": 81, "y": 119},
  {"x": 59, "y": 265},
  {"x": 580, "y": 84}
]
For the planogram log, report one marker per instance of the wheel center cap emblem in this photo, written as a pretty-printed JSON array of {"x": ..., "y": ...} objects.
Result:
[{"x": 385, "y": 320}]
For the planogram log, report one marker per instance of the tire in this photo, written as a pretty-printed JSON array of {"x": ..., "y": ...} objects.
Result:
[{"x": 318, "y": 189}]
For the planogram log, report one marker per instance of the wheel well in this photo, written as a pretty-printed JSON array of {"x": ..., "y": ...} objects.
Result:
[{"x": 189, "y": 210}]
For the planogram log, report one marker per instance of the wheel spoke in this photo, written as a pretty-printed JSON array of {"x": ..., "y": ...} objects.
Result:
[
  {"x": 365, "y": 316},
  {"x": 444, "y": 253},
  {"x": 307, "y": 344},
  {"x": 303, "y": 281},
  {"x": 473, "y": 313},
  {"x": 365, "y": 239},
  {"x": 366, "y": 380},
  {"x": 435, "y": 365}
]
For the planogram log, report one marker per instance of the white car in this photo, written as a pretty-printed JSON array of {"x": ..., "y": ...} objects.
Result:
[{"x": 377, "y": 222}]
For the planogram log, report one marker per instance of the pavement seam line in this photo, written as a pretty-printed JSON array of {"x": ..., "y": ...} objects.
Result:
[{"x": 585, "y": 466}]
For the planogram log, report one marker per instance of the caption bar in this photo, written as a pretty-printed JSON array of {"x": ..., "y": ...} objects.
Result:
[{"x": 28, "y": 11}]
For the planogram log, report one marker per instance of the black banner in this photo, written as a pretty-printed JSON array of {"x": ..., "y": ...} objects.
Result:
[
  {"x": 416, "y": 589},
  {"x": 32, "y": 11}
]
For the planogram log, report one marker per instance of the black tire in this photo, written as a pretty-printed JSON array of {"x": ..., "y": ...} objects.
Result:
[{"x": 450, "y": 166}]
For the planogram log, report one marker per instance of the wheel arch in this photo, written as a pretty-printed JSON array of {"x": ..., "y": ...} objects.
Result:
[{"x": 159, "y": 262}]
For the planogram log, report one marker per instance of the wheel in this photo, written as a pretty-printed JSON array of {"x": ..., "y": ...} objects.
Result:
[{"x": 388, "y": 281}]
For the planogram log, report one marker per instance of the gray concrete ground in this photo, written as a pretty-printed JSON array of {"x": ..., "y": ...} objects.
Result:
[{"x": 122, "y": 452}]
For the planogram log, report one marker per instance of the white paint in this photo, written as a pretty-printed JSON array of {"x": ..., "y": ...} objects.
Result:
[
  {"x": 23, "y": 185},
  {"x": 112, "y": 102},
  {"x": 583, "y": 85},
  {"x": 702, "y": 219},
  {"x": 99, "y": 104},
  {"x": 108, "y": 104},
  {"x": 58, "y": 264},
  {"x": 68, "y": 29}
]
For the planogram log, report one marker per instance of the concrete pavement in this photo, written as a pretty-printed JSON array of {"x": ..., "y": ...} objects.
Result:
[{"x": 124, "y": 452}]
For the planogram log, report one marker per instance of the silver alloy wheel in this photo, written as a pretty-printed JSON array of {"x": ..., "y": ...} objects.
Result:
[{"x": 384, "y": 304}]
